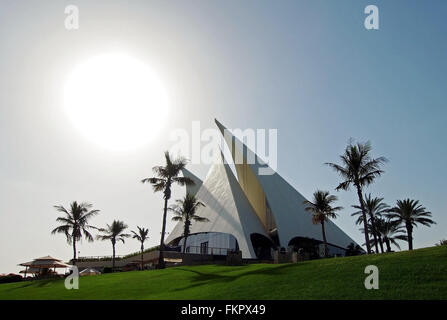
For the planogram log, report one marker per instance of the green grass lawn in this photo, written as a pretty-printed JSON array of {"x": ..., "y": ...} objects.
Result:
[{"x": 421, "y": 274}]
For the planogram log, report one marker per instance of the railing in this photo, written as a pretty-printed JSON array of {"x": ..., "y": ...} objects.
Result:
[
  {"x": 138, "y": 253},
  {"x": 190, "y": 249},
  {"x": 97, "y": 258},
  {"x": 207, "y": 250}
]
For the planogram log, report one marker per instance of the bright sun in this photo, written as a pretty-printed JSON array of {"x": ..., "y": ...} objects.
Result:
[{"x": 116, "y": 101}]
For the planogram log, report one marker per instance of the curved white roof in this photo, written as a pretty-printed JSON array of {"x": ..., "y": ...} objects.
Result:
[
  {"x": 227, "y": 209},
  {"x": 253, "y": 203},
  {"x": 286, "y": 203}
]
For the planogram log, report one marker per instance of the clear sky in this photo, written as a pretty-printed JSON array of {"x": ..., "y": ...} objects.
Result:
[{"x": 307, "y": 68}]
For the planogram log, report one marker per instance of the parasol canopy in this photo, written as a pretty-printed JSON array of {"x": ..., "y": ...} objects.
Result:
[{"x": 47, "y": 262}]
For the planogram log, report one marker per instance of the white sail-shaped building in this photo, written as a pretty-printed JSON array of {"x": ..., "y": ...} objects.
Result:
[{"x": 255, "y": 213}]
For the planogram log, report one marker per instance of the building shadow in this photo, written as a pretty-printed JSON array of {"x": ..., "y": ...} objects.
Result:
[{"x": 203, "y": 278}]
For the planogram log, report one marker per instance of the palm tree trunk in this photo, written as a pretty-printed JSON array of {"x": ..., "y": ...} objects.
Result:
[
  {"x": 388, "y": 245},
  {"x": 161, "y": 261},
  {"x": 186, "y": 233},
  {"x": 326, "y": 250},
  {"x": 74, "y": 251},
  {"x": 410, "y": 236},
  {"x": 381, "y": 243},
  {"x": 365, "y": 223},
  {"x": 184, "y": 243},
  {"x": 142, "y": 253},
  {"x": 113, "y": 257},
  {"x": 376, "y": 245},
  {"x": 374, "y": 234}
]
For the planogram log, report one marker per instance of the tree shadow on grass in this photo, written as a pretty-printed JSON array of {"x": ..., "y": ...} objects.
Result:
[
  {"x": 204, "y": 278},
  {"x": 35, "y": 283}
]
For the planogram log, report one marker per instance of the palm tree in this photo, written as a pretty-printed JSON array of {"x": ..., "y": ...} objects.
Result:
[
  {"x": 321, "y": 210},
  {"x": 75, "y": 223},
  {"x": 353, "y": 250},
  {"x": 166, "y": 176},
  {"x": 360, "y": 170},
  {"x": 377, "y": 237},
  {"x": 389, "y": 231},
  {"x": 374, "y": 208},
  {"x": 141, "y": 236},
  {"x": 410, "y": 213},
  {"x": 185, "y": 210},
  {"x": 114, "y": 233}
]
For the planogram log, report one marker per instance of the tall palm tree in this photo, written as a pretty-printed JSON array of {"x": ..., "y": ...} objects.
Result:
[
  {"x": 142, "y": 236},
  {"x": 185, "y": 210},
  {"x": 166, "y": 176},
  {"x": 75, "y": 223},
  {"x": 390, "y": 231},
  {"x": 410, "y": 213},
  {"x": 360, "y": 170},
  {"x": 322, "y": 210},
  {"x": 114, "y": 233},
  {"x": 375, "y": 208}
]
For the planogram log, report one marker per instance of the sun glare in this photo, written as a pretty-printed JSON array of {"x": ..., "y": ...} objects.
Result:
[{"x": 116, "y": 101}]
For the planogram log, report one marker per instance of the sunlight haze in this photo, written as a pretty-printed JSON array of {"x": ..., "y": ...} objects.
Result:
[{"x": 72, "y": 128}]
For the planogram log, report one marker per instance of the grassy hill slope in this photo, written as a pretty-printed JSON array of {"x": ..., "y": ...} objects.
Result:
[{"x": 421, "y": 274}]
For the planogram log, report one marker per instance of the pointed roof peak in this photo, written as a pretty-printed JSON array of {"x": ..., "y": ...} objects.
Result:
[
  {"x": 220, "y": 125},
  {"x": 48, "y": 258}
]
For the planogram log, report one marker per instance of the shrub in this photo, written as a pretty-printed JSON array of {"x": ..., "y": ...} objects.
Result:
[
  {"x": 10, "y": 278},
  {"x": 107, "y": 270}
]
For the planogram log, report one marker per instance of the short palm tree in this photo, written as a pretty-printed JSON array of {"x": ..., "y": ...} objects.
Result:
[
  {"x": 322, "y": 210},
  {"x": 353, "y": 250},
  {"x": 142, "y": 236},
  {"x": 185, "y": 210},
  {"x": 410, "y": 213},
  {"x": 75, "y": 223},
  {"x": 166, "y": 176},
  {"x": 389, "y": 232},
  {"x": 114, "y": 233},
  {"x": 375, "y": 208},
  {"x": 360, "y": 170}
]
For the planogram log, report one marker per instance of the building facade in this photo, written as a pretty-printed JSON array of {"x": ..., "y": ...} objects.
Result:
[{"x": 256, "y": 213}]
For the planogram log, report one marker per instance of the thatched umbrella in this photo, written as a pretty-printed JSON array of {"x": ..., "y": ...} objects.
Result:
[{"x": 46, "y": 262}]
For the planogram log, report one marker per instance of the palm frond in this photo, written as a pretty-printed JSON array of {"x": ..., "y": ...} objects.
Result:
[
  {"x": 183, "y": 181},
  {"x": 88, "y": 236},
  {"x": 321, "y": 206},
  {"x": 75, "y": 221}
]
